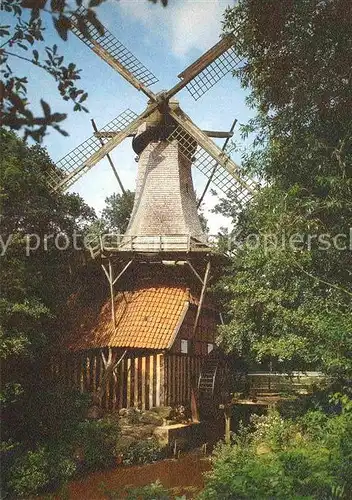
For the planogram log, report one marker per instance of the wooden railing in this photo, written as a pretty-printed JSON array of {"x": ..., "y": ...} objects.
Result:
[
  {"x": 272, "y": 382},
  {"x": 110, "y": 243}
]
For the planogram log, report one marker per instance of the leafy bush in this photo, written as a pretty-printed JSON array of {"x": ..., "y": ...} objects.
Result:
[
  {"x": 55, "y": 412},
  {"x": 48, "y": 414},
  {"x": 272, "y": 430},
  {"x": 310, "y": 458},
  {"x": 39, "y": 470},
  {"x": 96, "y": 441},
  {"x": 143, "y": 452},
  {"x": 88, "y": 445},
  {"x": 30, "y": 473}
]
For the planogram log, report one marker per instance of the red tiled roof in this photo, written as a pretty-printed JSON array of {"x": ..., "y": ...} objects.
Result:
[{"x": 147, "y": 318}]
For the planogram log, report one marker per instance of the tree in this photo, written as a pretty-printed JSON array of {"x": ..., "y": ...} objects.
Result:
[
  {"x": 275, "y": 458},
  {"x": 288, "y": 296},
  {"x": 36, "y": 267},
  {"x": 25, "y": 39},
  {"x": 202, "y": 218},
  {"x": 117, "y": 211}
]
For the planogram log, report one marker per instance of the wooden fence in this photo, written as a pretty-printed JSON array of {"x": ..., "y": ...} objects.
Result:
[
  {"x": 181, "y": 373},
  {"x": 295, "y": 382},
  {"x": 140, "y": 380}
]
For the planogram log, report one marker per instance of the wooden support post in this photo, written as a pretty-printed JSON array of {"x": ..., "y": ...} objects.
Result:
[
  {"x": 227, "y": 415},
  {"x": 109, "y": 158},
  {"x": 162, "y": 398},
  {"x": 110, "y": 366},
  {"x": 144, "y": 375},
  {"x": 122, "y": 272},
  {"x": 111, "y": 283},
  {"x": 194, "y": 271},
  {"x": 194, "y": 398},
  {"x": 158, "y": 380},
  {"x": 216, "y": 164},
  {"x": 194, "y": 406},
  {"x": 201, "y": 299}
]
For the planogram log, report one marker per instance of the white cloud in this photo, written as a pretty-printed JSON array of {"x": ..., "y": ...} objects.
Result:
[
  {"x": 196, "y": 25},
  {"x": 185, "y": 24}
]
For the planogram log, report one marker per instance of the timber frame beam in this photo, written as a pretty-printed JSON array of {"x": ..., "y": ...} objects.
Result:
[
  {"x": 205, "y": 282},
  {"x": 108, "y": 158},
  {"x": 216, "y": 163},
  {"x": 202, "y": 296},
  {"x": 195, "y": 272},
  {"x": 109, "y": 273}
]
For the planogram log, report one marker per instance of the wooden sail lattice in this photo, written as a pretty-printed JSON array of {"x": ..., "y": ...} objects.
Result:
[
  {"x": 240, "y": 185},
  {"x": 68, "y": 171},
  {"x": 201, "y": 83},
  {"x": 115, "y": 49},
  {"x": 199, "y": 77}
]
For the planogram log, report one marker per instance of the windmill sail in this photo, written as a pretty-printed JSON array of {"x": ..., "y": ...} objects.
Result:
[
  {"x": 68, "y": 171},
  {"x": 240, "y": 185},
  {"x": 115, "y": 49},
  {"x": 220, "y": 59},
  {"x": 199, "y": 77}
]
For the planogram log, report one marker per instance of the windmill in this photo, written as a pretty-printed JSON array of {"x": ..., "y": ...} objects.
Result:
[
  {"x": 198, "y": 78},
  {"x": 164, "y": 239}
]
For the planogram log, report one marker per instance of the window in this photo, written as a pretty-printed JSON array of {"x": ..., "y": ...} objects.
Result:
[
  {"x": 184, "y": 346},
  {"x": 210, "y": 347}
]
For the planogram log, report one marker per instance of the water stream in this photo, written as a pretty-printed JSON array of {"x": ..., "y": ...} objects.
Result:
[{"x": 184, "y": 476}]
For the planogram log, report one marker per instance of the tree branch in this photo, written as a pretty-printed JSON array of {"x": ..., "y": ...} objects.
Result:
[
  {"x": 323, "y": 281},
  {"x": 23, "y": 58}
]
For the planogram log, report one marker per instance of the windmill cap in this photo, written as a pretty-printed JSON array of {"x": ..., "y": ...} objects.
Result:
[{"x": 172, "y": 101}]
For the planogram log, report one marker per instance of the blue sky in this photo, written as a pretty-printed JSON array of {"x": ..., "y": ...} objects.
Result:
[{"x": 166, "y": 40}]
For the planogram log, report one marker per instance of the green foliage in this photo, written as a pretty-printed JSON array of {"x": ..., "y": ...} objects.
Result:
[
  {"x": 33, "y": 293},
  {"x": 44, "y": 431},
  {"x": 287, "y": 292},
  {"x": 275, "y": 458},
  {"x": 76, "y": 445},
  {"x": 96, "y": 440},
  {"x": 143, "y": 452},
  {"x": 38, "y": 470},
  {"x": 117, "y": 211},
  {"x": 51, "y": 413},
  {"x": 29, "y": 474},
  {"x": 25, "y": 39},
  {"x": 46, "y": 423},
  {"x": 202, "y": 218}
]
